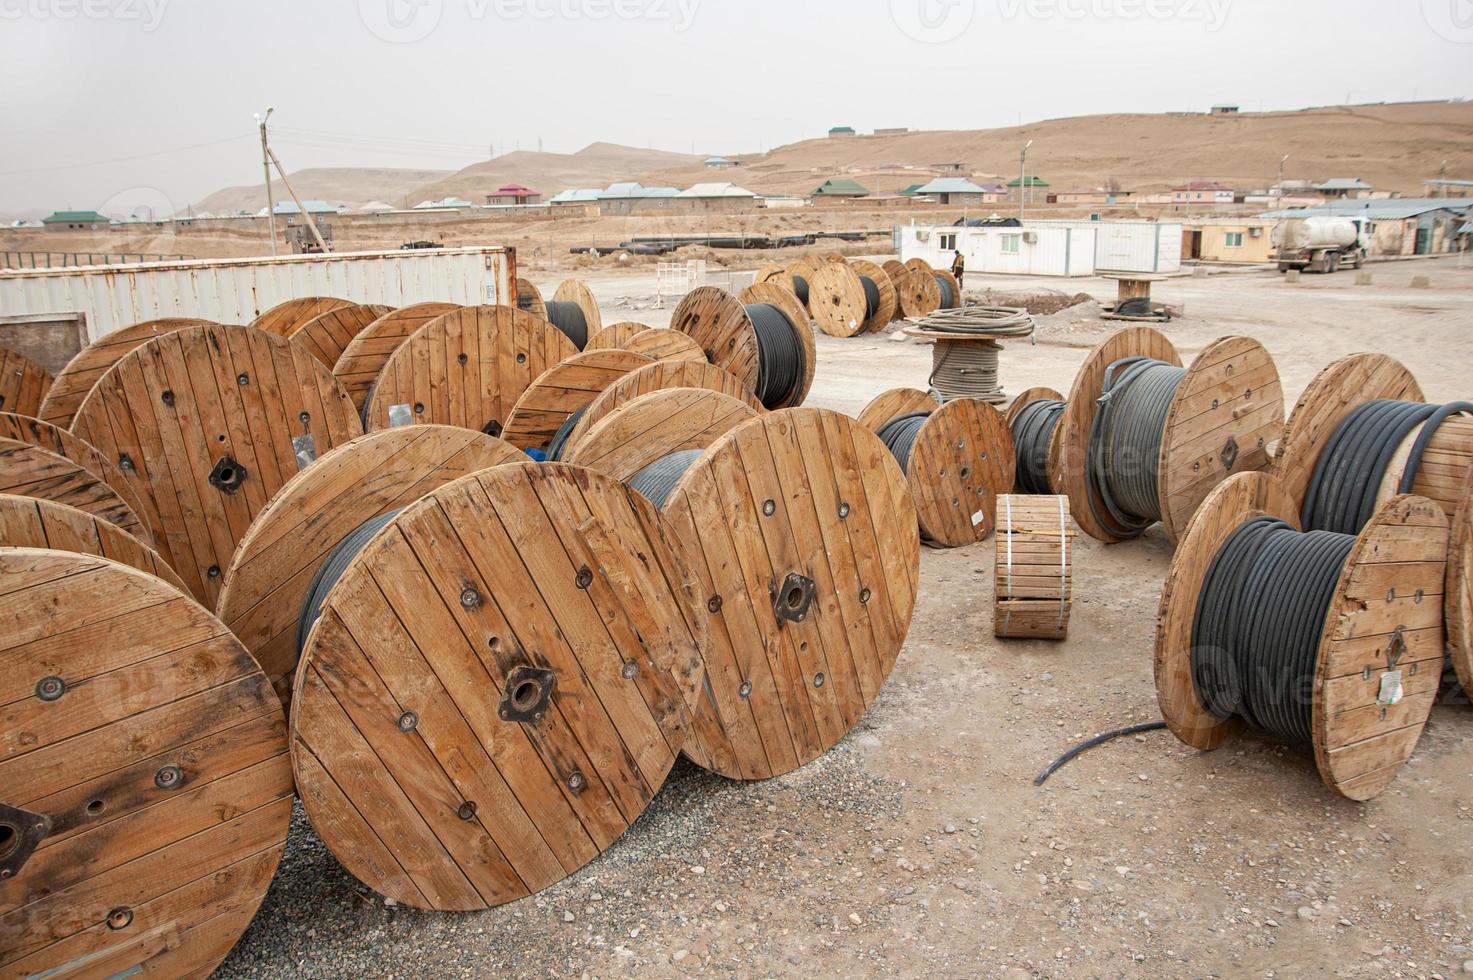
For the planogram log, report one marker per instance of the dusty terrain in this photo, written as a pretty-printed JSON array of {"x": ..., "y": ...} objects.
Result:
[{"x": 920, "y": 846}]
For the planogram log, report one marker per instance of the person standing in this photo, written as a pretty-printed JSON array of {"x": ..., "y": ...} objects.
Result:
[{"x": 958, "y": 267}]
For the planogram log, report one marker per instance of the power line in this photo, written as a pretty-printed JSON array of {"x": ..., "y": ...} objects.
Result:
[{"x": 140, "y": 156}]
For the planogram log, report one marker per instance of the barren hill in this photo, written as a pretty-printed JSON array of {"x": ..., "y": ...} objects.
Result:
[
  {"x": 596, "y": 165},
  {"x": 337, "y": 185}
]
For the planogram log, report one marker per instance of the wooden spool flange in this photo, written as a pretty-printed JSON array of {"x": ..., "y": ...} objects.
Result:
[
  {"x": 920, "y": 295},
  {"x": 657, "y": 377},
  {"x": 962, "y": 459},
  {"x": 284, "y": 318},
  {"x": 836, "y": 300},
  {"x": 1458, "y": 606},
  {"x": 615, "y": 335},
  {"x": 894, "y": 403},
  {"x": 803, "y": 536},
  {"x": 463, "y": 735},
  {"x": 213, "y": 421},
  {"x": 898, "y": 274},
  {"x": 23, "y": 383},
  {"x": 562, "y": 390},
  {"x": 919, "y": 265},
  {"x": 529, "y": 298},
  {"x": 803, "y": 269},
  {"x": 1386, "y": 618},
  {"x": 1032, "y": 583},
  {"x": 576, "y": 292},
  {"x": 665, "y": 345},
  {"x": 889, "y": 307},
  {"x": 466, "y": 368},
  {"x": 366, "y": 354},
  {"x": 328, "y": 335},
  {"x": 145, "y": 748},
  {"x": 1227, "y": 410},
  {"x": 31, "y": 471},
  {"x": 655, "y": 425},
  {"x": 91, "y": 362},
  {"x": 31, "y": 522},
  {"x": 718, "y": 321},
  {"x": 122, "y": 483},
  {"x": 774, "y": 273}
]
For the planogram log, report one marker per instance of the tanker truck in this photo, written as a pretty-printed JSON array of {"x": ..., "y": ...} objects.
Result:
[{"x": 1319, "y": 244}]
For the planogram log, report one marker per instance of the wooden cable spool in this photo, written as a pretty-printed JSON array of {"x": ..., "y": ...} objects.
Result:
[
  {"x": 1458, "y": 606},
  {"x": 576, "y": 293},
  {"x": 657, "y": 377},
  {"x": 328, "y": 335},
  {"x": 960, "y": 461},
  {"x": 561, "y": 391},
  {"x": 32, "y": 471},
  {"x": 652, "y": 426},
  {"x": 720, "y": 324},
  {"x": 123, "y": 484},
  {"x": 803, "y": 538},
  {"x": 889, "y": 307},
  {"x": 284, "y": 318},
  {"x": 1380, "y": 653},
  {"x": 775, "y": 274},
  {"x": 1010, "y": 415},
  {"x": 498, "y": 684},
  {"x": 76, "y": 379},
  {"x": 529, "y": 298},
  {"x": 898, "y": 274},
  {"x": 366, "y": 354},
  {"x": 1032, "y": 582},
  {"x": 836, "y": 298},
  {"x": 803, "y": 269},
  {"x": 23, "y": 383},
  {"x": 1225, "y": 413},
  {"x": 920, "y": 293},
  {"x": 269, "y": 574},
  {"x": 466, "y": 368},
  {"x": 145, "y": 786},
  {"x": 919, "y": 264},
  {"x": 32, "y": 522},
  {"x": 665, "y": 345},
  {"x": 213, "y": 421},
  {"x": 615, "y": 335}
]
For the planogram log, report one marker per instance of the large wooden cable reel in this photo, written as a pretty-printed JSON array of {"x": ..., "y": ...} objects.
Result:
[
  {"x": 23, "y": 383},
  {"x": 366, "y": 354},
  {"x": 499, "y": 682},
  {"x": 960, "y": 461},
  {"x": 144, "y": 780},
  {"x": 529, "y": 298},
  {"x": 213, "y": 421},
  {"x": 1380, "y": 650},
  {"x": 800, "y": 529},
  {"x": 269, "y": 574},
  {"x": 1048, "y": 464},
  {"x": 327, "y": 335},
  {"x": 919, "y": 293},
  {"x": 1032, "y": 583},
  {"x": 467, "y": 368},
  {"x": 653, "y": 426},
  {"x": 76, "y": 379},
  {"x": 575, "y": 312},
  {"x": 1224, "y": 414},
  {"x": 33, "y": 522},
  {"x": 727, "y": 335},
  {"x": 888, "y": 308},
  {"x": 800, "y": 273},
  {"x": 562, "y": 391},
  {"x": 665, "y": 345},
  {"x": 838, "y": 302},
  {"x": 284, "y": 318},
  {"x": 26, "y": 471},
  {"x": 615, "y": 335}
]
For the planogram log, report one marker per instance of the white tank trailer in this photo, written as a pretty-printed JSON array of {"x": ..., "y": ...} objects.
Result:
[{"x": 1318, "y": 244}]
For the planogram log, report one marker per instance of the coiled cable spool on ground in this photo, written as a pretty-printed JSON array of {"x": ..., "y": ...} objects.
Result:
[
  {"x": 780, "y": 354},
  {"x": 1125, "y": 441},
  {"x": 1304, "y": 635},
  {"x": 848, "y": 298},
  {"x": 950, "y": 293},
  {"x": 965, "y": 354},
  {"x": 568, "y": 317},
  {"x": 547, "y": 413},
  {"x": 1033, "y": 431},
  {"x": 656, "y": 480},
  {"x": 899, "y": 435},
  {"x": 800, "y": 288},
  {"x": 578, "y": 325},
  {"x": 332, "y": 569},
  {"x": 761, "y": 338}
]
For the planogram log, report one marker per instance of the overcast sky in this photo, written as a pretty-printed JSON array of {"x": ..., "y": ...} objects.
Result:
[{"x": 99, "y": 98}]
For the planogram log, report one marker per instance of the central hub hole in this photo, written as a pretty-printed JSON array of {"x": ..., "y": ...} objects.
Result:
[
  {"x": 95, "y": 807},
  {"x": 795, "y": 597},
  {"x": 9, "y": 839},
  {"x": 525, "y": 695},
  {"x": 227, "y": 475}
]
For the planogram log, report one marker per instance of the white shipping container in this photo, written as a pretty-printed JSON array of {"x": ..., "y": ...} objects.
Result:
[{"x": 239, "y": 290}]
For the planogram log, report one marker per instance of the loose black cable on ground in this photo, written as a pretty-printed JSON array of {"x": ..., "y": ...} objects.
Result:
[
  {"x": 800, "y": 289},
  {"x": 1259, "y": 620},
  {"x": 781, "y": 360},
  {"x": 332, "y": 569},
  {"x": 569, "y": 318},
  {"x": 1125, "y": 441},
  {"x": 899, "y": 436},
  {"x": 871, "y": 296},
  {"x": 559, "y": 441},
  {"x": 1348, "y": 475},
  {"x": 656, "y": 480},
  {"x": 1033, "y": 428},
  {"x": 1085, "y": 746}
]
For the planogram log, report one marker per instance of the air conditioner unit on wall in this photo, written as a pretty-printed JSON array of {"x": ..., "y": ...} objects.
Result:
[
  {"x": 1030, "y": 238},
  {"x": 924, "y": 235},
  {"x": 1255, "y": 232}
]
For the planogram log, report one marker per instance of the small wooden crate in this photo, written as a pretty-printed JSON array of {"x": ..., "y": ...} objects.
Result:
[{"x": 1032, "y": 581}]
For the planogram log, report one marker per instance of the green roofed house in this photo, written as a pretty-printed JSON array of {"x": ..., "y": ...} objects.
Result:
[
  {"x": 1028, "y": 189},
  {"x": 842, "y": 131},
  {"x": 75, "y": 221},
  {"x": 838, "y": 190}
]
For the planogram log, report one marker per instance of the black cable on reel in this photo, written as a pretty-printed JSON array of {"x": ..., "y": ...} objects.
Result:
[
  {"x": 332, "y": 569},
  {"x": 781, "y": 361},
  {"x": 1033, "y": 429},
  {"x": 1125, "y": 441},
  {"x": 656, "y": 480},
  {"x": 559, "y": 441},
  {"x": 948, "y": 295},
  {"x": 1348, "y": 475},
  {"x": 871, "y": 296},
  {"x": 899, "y": 435},
  {"x": 800, "y": 289},
  {"x": 1259, "y": 621},
  {"x": 569, "y": 318}
]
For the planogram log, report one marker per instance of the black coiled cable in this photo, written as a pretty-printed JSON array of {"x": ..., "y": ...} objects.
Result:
[
  {"x": 559, "y": 441},
  {"x": 656, "y": 480},
  {"x": 780, "y": 355},
  {"x": 800, "y": 289},
  {"x": 1348, "y": 475},
  {"x": 1125, "y": 441},
  {"x": 332, "y": 569},
  {"x": 1259, "y": 620},
  {"x": 899, "y": 435},
  {"x": 1033, "y": 428},
  {"x": 569, "y": 318},
  {"x": 871, "y": 296},
  {"x": 948, "y": 295}
]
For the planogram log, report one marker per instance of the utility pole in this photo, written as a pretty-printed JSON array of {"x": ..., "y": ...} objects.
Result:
[
  {"x": 1282, "y": 161},
  {"x": 266, "y": 168},
  {"x": 1023, "y": 177},
  {"x": 311, "y": 224}
]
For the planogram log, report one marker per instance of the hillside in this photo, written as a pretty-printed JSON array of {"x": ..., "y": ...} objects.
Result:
[
  {"x": 1393, "y": 146},
  {"x": 596, "y": 165},
  {"x": 338, "y": 185}
]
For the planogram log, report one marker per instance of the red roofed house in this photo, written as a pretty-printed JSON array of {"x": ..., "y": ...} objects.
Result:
[{"x": 514, "y": 194}]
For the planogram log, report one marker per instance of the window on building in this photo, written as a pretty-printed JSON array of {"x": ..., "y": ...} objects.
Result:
[
  {"x": 1010, "y": 244},
  {"x": 948, "y": 243},
  {"x": 1234, "y": 239}
]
